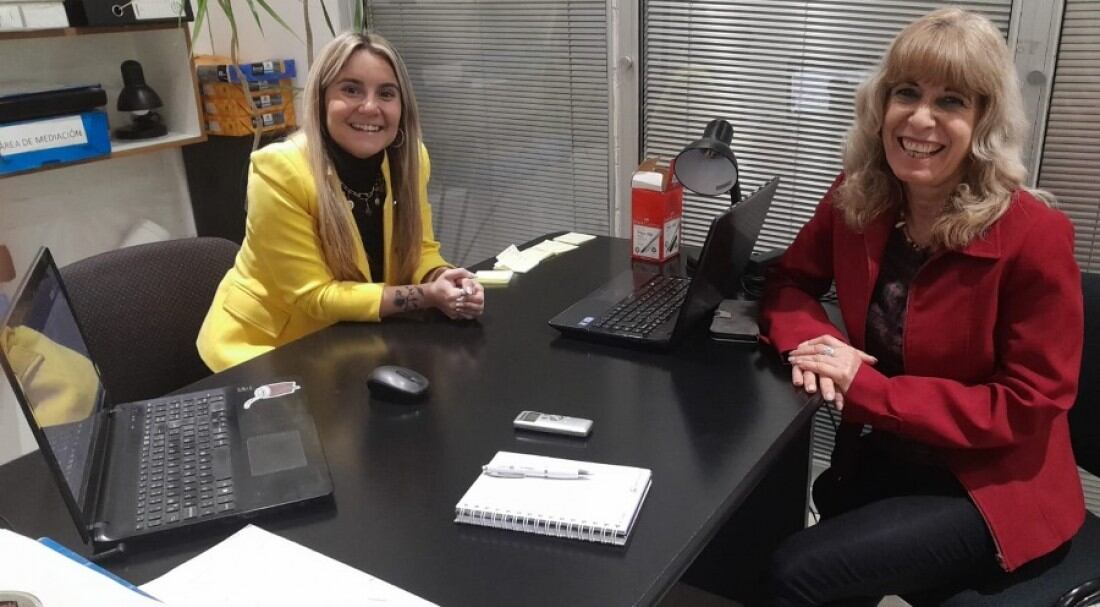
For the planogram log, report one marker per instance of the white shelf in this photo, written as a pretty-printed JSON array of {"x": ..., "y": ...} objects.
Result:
[
  {"x": 172, "y": 139},
  {"x": 94, "y": 56}
]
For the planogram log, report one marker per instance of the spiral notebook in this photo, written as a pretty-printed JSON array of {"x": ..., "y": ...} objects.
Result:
[{"x": 599, "y": 507}]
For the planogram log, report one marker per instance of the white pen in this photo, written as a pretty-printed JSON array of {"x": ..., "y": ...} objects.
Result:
[{"x": 536, "y": 472}]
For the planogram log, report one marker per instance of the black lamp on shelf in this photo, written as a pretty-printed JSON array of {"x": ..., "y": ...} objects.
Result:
[
  {"x": 708, "y": 166},
  {"x": 141, "y": 101}
]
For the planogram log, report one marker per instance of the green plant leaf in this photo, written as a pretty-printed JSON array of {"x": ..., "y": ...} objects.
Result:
[
  {"x": 255, "y": 15},
  {"x": 200, "y": 15},
  {"x": 234, "y": 41},
  {"x": 277, "y": 18},
  {"x": 328, "y": 20}
]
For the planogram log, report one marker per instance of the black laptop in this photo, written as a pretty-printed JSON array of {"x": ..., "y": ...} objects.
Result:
[
  {"x": 640, "y": 308},
  {"x": 128, "y": 470}
]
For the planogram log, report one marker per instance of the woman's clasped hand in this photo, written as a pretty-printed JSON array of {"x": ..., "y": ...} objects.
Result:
[{"x": 827, "y": 364}]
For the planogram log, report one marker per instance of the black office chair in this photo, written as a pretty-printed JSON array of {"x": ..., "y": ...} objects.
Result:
[
  {"x": 1070, "y": 577},
  {"x": 141, "y": 308}
]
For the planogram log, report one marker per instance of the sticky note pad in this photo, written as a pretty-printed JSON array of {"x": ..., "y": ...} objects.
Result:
[
  {"x": 553, "y": 247},
  {"x": 574, "y": 238},
  {"x": 494, "y": 277}
]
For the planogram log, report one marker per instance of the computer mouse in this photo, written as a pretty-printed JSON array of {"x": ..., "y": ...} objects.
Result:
[{"x": 398, "y": 384}]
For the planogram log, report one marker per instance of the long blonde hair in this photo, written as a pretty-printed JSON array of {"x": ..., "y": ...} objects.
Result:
[
  {"x": 964, "y": 51},
  {"x": 333, "y": 228}
]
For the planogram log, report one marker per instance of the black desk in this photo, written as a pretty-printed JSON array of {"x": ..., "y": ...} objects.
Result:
[{"x": 712, "y": 420}]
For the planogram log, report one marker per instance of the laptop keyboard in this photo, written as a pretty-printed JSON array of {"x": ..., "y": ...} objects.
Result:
[
  {"x": 645, "y": 309},
  {"x": 185, "y": 470}
]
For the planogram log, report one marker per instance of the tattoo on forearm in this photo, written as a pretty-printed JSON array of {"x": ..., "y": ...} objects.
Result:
[{"x": 408, "y": 298}]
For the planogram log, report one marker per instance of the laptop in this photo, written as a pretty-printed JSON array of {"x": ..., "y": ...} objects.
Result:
[
  {"x": 643, "y": 309},
  {"x": 129, "y": 470}
]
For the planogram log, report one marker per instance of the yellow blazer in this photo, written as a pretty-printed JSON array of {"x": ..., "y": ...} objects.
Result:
[{"x": 280, "y": 288}]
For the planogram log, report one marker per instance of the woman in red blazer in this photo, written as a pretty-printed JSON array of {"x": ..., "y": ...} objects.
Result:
[{"x": 962, "y": 302}]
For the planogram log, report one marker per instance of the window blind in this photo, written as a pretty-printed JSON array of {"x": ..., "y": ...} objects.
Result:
[
  {"x": 784, "y": 74},
  {"x": 514, "y": 103},
  {"x": 1070, "y": 164}
]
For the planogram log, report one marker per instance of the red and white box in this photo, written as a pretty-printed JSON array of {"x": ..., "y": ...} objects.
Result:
[{"x": 657, "y": 207}]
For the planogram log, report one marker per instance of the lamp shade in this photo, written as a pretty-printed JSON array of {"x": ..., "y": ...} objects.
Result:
[
  {"x": 136, "y": 95},
  {"x": 708, "y": 166}
]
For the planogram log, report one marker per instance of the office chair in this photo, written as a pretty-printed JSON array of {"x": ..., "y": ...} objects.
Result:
[
  {"x": 141, "y": 308},
  {"x": 1070, "y": 577}
]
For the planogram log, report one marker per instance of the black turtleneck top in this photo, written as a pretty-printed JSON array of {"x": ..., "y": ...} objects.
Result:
[{"x": 364, "y": 186}]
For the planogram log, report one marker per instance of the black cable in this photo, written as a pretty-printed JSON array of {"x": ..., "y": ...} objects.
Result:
[{"x": 6, "y": 524}]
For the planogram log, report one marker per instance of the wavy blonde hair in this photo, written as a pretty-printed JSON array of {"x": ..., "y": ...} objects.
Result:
[
  {"x": 333, "y": 228},
  {"x": 964, "y": 51}
]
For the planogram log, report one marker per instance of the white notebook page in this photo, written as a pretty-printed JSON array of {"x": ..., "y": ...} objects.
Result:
[{"x": 608, "y": 497}]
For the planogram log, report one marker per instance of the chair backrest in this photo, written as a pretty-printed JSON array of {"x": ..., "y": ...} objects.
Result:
[
  {"x": 141, "y": 308},
  {"x": 1084, "y": 417}
]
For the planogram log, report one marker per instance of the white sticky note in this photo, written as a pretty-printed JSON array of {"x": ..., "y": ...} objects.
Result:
[
  {"x": 574, "y": 238},
  {"x": 554, "y": 248},
  {"x": 494, "y": 277}
]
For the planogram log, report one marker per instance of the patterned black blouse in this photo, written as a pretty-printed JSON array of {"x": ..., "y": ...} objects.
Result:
[{"x": 886, "y": 316}]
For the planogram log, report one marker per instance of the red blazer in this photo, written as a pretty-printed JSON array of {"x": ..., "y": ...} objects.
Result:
[{"x": 992, "y": 349}]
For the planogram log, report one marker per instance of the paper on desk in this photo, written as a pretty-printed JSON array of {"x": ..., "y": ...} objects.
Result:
[
  {"x": 554, "y": 248},
  {"x": 29, "y": 566},
  {"x": 519, "y": 261},
  {"x": 254, "y": 568},
  {"x": 574, "y": 238}
]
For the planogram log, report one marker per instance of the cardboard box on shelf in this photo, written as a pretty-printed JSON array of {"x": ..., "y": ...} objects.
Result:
[
  {"x": 225, "y": 106},
  {"x": 245, "y": 125},
  {"x": 272, "y": 70},
  {"x": 233, "y": 90}
]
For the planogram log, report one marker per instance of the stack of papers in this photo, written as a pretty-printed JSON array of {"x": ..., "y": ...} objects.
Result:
[
  {"x": 254, "y": 568},
  {"x": 55, "y": 579}
]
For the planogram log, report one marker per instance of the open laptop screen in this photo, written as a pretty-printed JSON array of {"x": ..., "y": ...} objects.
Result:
[{"x": 47, "y": 362}]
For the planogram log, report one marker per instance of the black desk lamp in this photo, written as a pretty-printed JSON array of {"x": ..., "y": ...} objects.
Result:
[
  {"x": 140, "y": 100},
  {"x": 708, "y": 166}
]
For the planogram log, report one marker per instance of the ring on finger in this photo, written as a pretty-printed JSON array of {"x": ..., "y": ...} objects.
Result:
[{"x": 828, "y": 350}]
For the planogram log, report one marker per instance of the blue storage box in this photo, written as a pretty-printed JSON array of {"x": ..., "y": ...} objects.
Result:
[{"x": 32, "y": 144}]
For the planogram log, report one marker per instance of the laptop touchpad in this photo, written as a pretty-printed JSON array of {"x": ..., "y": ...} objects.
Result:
[{"x": 275, "y": 452}]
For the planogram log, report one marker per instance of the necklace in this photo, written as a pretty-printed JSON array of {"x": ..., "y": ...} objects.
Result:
[
  {"x": 369, "y": 199},
  {"x": 904, "y": 227}
]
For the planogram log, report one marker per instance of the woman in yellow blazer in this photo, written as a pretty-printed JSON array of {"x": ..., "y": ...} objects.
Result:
[{"x": 339, "y": 226}]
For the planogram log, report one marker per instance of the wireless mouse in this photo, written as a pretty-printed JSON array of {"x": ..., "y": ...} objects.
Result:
[{"x": 397, "y": 384}]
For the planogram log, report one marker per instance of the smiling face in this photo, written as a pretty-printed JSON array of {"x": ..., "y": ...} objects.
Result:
[
  {"x": 927, "y": 130},
  {"x": 363, "y": 105}
]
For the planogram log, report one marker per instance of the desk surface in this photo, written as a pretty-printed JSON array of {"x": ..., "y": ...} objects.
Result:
[{"x": 708, "y": 418}]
